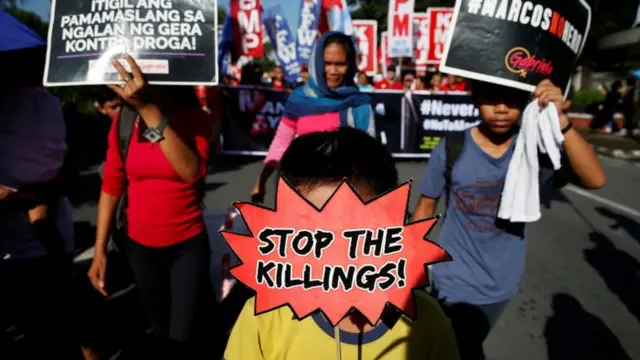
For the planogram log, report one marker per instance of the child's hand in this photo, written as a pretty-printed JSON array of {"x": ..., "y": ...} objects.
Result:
[
  {"x": 4, "y": 192},
  {"x": 38, "y": 213},
  {"x": 547, "y": 92}
]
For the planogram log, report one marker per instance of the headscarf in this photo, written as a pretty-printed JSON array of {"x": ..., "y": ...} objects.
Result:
[{"x": 315, "y": 97}]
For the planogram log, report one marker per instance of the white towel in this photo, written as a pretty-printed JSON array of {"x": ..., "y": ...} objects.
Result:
[{"x": 540, "y": 130}]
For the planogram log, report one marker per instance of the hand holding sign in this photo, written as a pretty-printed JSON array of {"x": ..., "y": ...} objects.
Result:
[
  {"x": 546, "y": 93},
  {"x": 349, "y": 254},
  {"x": 133, "y": 86}
]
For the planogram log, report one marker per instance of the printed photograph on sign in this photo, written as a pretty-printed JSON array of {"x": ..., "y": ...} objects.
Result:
[
  {"x": 173, "y": 41},
  {"x": 366, "y": 35},
  {"x": 517, "y": 44},
  {"x": 343, "y": 255},
  {"x": 439, "y": 20},
  {"x": 400, "y": 28}
]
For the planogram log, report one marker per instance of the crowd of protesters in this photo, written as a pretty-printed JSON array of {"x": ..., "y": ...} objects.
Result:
[
  {"x": 621, "y": 98},
  {"x": 152, "y": 189}
]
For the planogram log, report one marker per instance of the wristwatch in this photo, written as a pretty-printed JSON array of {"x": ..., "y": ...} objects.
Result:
[
  {"x": 567, "y": 128},
  {"x": 154, "y": 135}
]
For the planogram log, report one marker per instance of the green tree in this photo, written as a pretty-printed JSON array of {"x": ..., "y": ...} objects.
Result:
[
  {"x": 222, "y": 15},
  {"x": 30, "y": 19}
]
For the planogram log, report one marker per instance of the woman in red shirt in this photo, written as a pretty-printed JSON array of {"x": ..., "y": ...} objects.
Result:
[{"x": 167, "y": 243}]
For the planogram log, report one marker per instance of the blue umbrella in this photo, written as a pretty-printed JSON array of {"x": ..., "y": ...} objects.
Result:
[
  {"x": 15, "y": 35},
  {"x": 636, "y": 73}
]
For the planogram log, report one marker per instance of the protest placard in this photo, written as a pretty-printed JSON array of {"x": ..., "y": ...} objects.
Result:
[
  {"x": 283, "y": 42},
  {"x": 366, "y": 34},
  {"x": 421, "y": 33},
  {"x": 247, "y": 29},
  {"x": 439, "y": 24},
  {"x": 383, "y": 52},
  {"x": 307, "y": 33},
  {"x": 517, "y": 43},
  {"x": 348, "y": 254},
  {"x": 173, "y": 41},
  {"x": 400, "y": 29}
]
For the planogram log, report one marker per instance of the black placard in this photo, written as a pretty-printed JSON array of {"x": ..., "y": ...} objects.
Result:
[
  {"x": 517, "y": 43},
  {"x": 173, "y": 41},
  {"x": 428, "y": 117}
]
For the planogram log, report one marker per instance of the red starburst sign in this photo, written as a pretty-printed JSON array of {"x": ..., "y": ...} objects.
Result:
[{"x": 348, "y": 254}]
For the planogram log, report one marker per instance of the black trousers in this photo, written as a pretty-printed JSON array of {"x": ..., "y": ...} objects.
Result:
[
  {"x": 176, "y": 291},
  {"x": 36, "y": 297}
]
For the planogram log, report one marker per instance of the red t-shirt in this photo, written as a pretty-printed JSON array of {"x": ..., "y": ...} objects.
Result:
[
  {"x": 461, "y": 86},
  {"x": 162, "y": 209},
  {"x": 277, "y": 84},
  {"x": 388, "y": 85}
]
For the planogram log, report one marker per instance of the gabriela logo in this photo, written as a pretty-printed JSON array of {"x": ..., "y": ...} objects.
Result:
[{"x": 520, "y": 61}]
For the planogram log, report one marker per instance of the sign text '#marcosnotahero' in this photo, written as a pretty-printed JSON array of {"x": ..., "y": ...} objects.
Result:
[{"x": 532, "y": 14}]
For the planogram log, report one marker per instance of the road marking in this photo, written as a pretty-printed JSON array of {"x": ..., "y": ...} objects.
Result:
[
  {"x": 619, "y": 163},
  {"x": 604, "y": 201}
]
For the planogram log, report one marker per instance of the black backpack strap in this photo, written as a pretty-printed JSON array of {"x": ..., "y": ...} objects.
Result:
[
  {"x": 454, "y": 145},
  {"x": 126, "y": 123},
  {"x": 125, "y": 127}
]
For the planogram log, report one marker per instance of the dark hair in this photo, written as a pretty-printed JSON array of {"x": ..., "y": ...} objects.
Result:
[
  {"x": 631, "y": 81},
  {"x": 616, "y": 85},
  {"x": 349, "y": 48},
  {"x": 251, "y": 74},
  {"x": 329, "y": 157},
  {"x": 183, "y": 96},
  {"x": 103, "y": 94},
  {"x": 482, "y": 91}
]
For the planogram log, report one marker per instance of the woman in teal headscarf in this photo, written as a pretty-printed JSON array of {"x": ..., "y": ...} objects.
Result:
[{"x": 329, "y": 100}]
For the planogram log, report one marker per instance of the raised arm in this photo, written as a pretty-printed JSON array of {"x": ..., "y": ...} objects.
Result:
[
  {"x": 584, "y": 168},
  {"x": 188, "y": 161},
  {"x": 285, "y": 134}
]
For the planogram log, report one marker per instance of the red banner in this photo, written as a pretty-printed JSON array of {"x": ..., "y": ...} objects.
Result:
[
  {"x": 247, "y": 30},
  {"x": 366, "y": 32},
  {"x": 421, "y": 40},
  {"x": 439, "y": 22}
]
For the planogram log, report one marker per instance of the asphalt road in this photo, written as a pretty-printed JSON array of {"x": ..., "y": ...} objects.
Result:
[{"x": 580, "y": 297}]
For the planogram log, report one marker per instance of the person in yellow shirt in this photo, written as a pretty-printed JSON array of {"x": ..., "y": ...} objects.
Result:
[{"x": 316, "y": 164}]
